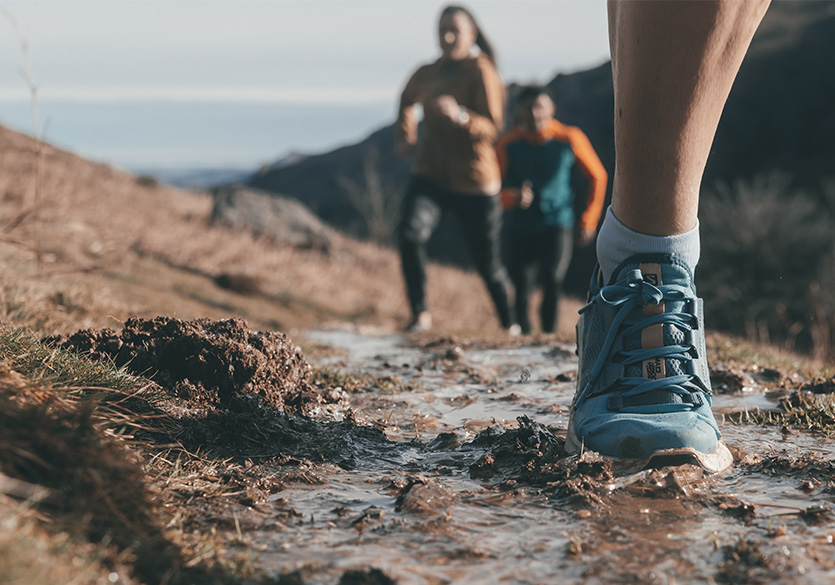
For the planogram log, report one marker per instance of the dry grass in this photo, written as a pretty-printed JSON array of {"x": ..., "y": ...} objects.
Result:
[
  {"x": 731, "y": 351},
  {"x": 114, "y": 246},
  {"x": 96, "y": 501},
  {"x": 84, "y": 498}
]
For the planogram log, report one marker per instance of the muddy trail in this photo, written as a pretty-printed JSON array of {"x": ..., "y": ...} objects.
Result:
[
  {"x": 417, "y": 461},
  {"x": 468, "y": 483}
]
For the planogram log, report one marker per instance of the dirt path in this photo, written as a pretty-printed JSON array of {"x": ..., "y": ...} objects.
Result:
[{"x": 468, "y": 483}]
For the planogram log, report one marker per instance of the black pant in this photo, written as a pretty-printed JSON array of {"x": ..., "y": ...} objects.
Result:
[
  {"x": 546, "y": 252},
  {"x": 480, "y": 220}
]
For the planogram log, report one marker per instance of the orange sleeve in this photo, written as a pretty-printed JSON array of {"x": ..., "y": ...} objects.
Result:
[
  {"x": 509, "y": 196},
  {"x": 487, "y": 115},
  {"x": 406, "y": 127},
  {"x": 595, "y": 172}
]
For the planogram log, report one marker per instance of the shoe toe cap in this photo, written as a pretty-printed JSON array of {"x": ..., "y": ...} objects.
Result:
[{"x": 641, "y": 436}]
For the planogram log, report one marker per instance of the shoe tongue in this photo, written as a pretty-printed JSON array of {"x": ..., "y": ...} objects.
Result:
[
  {"x": 666, "y": 268},
  {"x": 653, "y": 336},
  {"x": 651, "y": 273},
  {"x": 656, "y": 270}
]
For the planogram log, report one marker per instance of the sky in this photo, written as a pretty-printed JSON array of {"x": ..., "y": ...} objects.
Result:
[{"x": 241, "y": 83}]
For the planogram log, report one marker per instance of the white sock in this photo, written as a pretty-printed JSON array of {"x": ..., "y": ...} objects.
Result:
[{"x": 616, "y": 243}]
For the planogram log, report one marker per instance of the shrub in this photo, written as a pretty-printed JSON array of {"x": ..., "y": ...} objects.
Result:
[{"x": 767, "y": 271}]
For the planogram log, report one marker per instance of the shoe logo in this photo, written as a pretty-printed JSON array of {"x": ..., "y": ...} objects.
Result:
[
  {"x": 651, "y": 274},
  {"x": 654, "y": 369}
]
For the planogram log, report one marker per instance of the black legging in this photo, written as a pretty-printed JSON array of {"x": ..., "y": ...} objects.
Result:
[
  {"x": 480, "y": 220},
  {"x": 547, "y": 252}
]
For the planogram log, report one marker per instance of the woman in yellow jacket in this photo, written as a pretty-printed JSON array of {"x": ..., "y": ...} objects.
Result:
[{"x": 456, "y": 168}]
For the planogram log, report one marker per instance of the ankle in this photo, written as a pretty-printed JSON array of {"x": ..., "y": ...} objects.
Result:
[{"x": 616, "y": 242}]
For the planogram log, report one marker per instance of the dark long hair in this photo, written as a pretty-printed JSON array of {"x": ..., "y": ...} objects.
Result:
[{"x": 480, "y": 40}]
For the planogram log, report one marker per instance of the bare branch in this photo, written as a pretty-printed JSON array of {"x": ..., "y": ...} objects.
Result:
[{"x": 377, "y": 204}]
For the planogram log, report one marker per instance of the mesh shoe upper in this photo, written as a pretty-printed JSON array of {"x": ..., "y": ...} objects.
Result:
[{"x": 643, "y": 384}]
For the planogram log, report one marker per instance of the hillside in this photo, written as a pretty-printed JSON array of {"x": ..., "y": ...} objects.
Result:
[
  {"x": 87, "y": 245},
  {"x": 202, "y": 452}
]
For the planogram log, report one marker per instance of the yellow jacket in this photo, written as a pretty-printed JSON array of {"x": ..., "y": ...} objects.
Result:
[{"x": 456, "y": 156}]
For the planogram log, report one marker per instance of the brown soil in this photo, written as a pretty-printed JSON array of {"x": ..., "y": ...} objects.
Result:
[
  {"x": 206, "y": 362},
  {"x": 254, "y": 463}
]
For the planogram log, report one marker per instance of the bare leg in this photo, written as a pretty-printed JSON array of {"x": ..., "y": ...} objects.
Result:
[{"x": 673, "y": 65}]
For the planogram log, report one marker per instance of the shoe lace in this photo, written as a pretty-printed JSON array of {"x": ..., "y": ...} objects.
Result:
[{"x": 628, "y": 294}]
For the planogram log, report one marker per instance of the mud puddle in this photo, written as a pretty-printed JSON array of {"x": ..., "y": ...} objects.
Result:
[{"x": 470, "y": 484}]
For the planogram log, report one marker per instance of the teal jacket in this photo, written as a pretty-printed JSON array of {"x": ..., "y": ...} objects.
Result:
[{"x": 547, "y": 160}]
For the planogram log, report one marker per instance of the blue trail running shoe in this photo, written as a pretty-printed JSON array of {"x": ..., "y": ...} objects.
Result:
[{"x": 643, "y": 389}]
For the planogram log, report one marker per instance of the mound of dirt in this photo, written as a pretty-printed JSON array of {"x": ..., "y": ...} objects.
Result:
[
  {"x": 525, "y": 454},
  {"x": 423, "y": 495},
  {"x": 207, "y": 362}
]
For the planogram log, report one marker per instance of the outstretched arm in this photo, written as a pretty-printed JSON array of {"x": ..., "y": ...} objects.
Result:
[{"x": 597, "y": 177}]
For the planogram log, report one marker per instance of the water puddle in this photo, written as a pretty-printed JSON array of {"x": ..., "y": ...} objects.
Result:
[{"x": 459, "y": 488}]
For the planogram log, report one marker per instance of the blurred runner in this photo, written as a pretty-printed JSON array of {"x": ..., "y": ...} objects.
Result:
[
  {"x": 538, "y": 160},
  {"x": 456, "y": 170}
]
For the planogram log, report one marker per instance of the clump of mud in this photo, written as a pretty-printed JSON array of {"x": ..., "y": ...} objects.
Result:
[
  {"x": 820, "y": 386},
  {"x": 534, "y": 456},
  {"x": 731, "y": 379},
  {"x": 423, "y": 495},
  {"x": 524, "y": 454},
  {"x": 204, "y": 361},
  {"x": 746, "y": 561},
  {"x": 369, "y": 577},
  {"x": 805, "y": 466}
]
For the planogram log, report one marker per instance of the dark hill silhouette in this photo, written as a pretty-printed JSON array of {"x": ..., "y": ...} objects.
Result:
[
  {"x": 316, "y": 179},
  {"x": 780, "y": 115}
]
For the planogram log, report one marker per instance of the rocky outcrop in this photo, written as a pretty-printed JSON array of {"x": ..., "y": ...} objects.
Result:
[{"x": 279, "y": 219}]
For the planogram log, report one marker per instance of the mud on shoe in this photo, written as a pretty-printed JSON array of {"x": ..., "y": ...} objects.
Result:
[{"x": 643, "y": 390}]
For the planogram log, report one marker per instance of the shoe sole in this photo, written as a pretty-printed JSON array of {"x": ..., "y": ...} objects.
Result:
[{"x": 710, "y": 462}]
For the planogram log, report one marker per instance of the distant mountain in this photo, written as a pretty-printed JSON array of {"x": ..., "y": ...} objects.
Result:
[
  {"x": 202, "y": 179},
  {"x": 780, "y": 115},
  {"x": 195, "y": 179},
  {"x": 316, "y": 179}
]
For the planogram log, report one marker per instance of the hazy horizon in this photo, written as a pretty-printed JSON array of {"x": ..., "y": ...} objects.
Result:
[{"x": 160, "y": 84}]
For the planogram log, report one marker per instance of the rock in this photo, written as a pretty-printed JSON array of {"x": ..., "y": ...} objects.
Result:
[{"x": 280, "y": 219}]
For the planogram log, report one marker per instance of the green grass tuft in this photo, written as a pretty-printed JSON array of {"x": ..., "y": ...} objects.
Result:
[
  {"x": 61, "y": 368},
  {"x": 799, "y": 411}
]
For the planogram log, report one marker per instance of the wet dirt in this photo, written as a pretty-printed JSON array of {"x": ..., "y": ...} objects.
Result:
[
  {"x": 474, "y": 485},
  {"x": 392, "y": 461},
  {"x": 204, "y": 361}
]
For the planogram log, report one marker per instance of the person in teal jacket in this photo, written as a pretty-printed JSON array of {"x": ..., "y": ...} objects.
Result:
[{"x": 537, "y": 160}]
